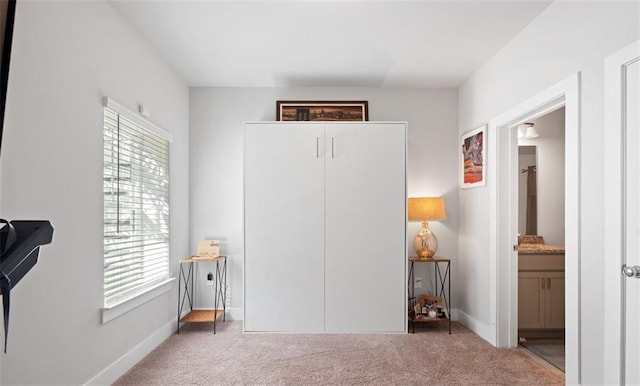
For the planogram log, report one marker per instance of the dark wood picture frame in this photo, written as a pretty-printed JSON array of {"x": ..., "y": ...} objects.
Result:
[{"x": 334, "y": 111}]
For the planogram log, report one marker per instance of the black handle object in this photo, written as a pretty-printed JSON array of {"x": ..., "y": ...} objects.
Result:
[
  {"x": 5, "y": 288},
  {"x": 19, "y": 258},
  {"x": 7, "y": 236}
]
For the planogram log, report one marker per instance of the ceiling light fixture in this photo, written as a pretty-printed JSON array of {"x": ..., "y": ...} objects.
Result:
[{"x": 527, "y": 131}]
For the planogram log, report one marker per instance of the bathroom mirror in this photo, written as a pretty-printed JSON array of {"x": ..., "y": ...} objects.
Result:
[{"x": 527, "y": 191}]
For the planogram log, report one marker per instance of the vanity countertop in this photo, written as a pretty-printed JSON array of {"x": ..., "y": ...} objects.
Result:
[{"x": 540, "y": 249}]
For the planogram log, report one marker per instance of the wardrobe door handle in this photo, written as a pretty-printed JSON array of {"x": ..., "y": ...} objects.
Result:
[
  {"x": 317, "y": 147},
  {"x": 333, "y": 146},
  {"x": 542, "y": 282},
  {"x": 548, "y": 283}
]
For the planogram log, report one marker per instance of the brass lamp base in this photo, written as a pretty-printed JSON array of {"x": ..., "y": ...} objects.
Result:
[{"x": 425, "y": 242}]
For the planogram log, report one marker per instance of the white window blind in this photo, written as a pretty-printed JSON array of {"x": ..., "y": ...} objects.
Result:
[{"x": 136, "y": 208}]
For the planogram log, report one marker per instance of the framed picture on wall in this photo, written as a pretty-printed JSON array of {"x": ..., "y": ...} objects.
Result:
[
  {"x": 473, "y": 158},
  {"x": 337, "y": 111}
]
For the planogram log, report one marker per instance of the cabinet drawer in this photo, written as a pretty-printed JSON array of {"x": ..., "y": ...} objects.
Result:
[{"x": 541, "y": 262}]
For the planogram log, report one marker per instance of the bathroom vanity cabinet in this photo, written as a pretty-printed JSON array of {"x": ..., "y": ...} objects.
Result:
[{"x": 541, "y": 291}]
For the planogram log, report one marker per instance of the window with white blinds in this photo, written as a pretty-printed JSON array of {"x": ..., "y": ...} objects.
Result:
[{"x": 136, "y": 208}]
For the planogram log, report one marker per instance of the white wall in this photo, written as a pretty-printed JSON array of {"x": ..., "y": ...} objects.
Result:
[
  {"x": 550, "y": 176},
  {"x": 66, "y": 56},
  {"x": 216, "y": 140},
  {"x": 566, "y": 38}
]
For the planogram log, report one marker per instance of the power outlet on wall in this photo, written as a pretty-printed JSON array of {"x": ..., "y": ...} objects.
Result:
[
  {"x": 210, "y": 278},
  {"x": 418, "y": 282}
]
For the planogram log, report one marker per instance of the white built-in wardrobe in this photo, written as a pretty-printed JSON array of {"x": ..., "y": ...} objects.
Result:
[{"x": 325, "y": 227}]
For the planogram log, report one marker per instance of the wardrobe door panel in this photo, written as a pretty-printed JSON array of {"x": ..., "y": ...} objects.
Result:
[
  {"x": 284, "y": 227},
  {"x": 365, "y": 216}
]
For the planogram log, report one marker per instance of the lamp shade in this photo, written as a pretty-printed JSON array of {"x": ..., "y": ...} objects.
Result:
[
  {"x": 427, "y": 209},
  {"x": 531, "y": 132}
]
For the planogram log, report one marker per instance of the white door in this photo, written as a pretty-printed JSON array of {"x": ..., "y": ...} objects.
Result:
[
  {"x": 631, "y": 303},
  {"x": 365, "y": 228},
  {"x": 622, "y": 189},
  {"x": 284, "y": 227}
]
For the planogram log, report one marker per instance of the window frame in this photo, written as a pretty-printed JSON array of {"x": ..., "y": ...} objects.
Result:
[{"x": 114, "y": 310}]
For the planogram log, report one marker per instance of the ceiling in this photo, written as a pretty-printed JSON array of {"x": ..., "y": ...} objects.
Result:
[{"x": 327, "y": 43}]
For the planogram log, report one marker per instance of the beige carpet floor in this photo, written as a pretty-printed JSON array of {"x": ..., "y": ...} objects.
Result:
[{"x": 428, "y": 357}]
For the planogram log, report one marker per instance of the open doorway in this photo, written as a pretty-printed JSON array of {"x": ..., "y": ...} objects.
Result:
[
  {"x": 503, "y": 220},
  {"x": 541, "y": 243}
]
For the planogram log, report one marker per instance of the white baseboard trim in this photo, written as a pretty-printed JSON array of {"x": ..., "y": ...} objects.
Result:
[
  {"x": 236, "y": 313},
  {"x": 123, "y": 364},
  {"x": 479, "y": 328}
]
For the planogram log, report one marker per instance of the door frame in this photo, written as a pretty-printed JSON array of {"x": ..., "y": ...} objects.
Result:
[
  {"x": 614, "y": 208},
  {"x": 503, "y": 184}
]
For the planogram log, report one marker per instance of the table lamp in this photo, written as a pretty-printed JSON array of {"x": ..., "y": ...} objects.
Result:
[{"x": 426, "y": 209}]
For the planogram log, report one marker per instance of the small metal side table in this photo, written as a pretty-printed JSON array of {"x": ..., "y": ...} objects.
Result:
[
  {"x": 186, "y": 280},
  {"x": 442, "y": 282}
]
